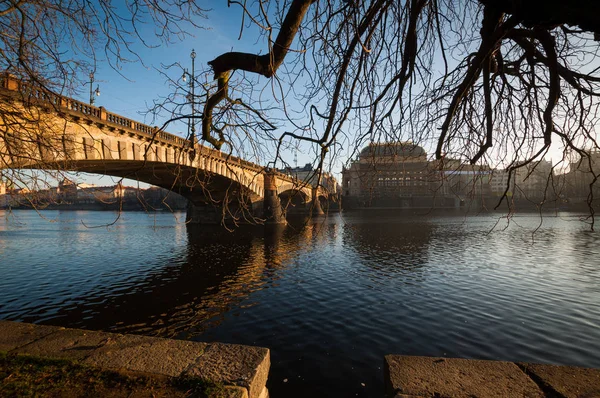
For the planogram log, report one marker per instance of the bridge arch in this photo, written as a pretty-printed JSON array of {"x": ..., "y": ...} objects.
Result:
[{"x": 133, "y": 158}]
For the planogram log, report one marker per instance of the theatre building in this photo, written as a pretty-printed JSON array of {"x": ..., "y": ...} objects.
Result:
[{"x": 399, "y": 175}]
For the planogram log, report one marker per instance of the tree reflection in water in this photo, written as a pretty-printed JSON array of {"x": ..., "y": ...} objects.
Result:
[{"x": 192, "y": 293}]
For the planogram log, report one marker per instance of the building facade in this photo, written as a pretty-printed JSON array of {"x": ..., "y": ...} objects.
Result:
[
  {"x": 582, "y": 182},
  {"x": 399, "y": 174},
  {"x": 310, "y": 175}
]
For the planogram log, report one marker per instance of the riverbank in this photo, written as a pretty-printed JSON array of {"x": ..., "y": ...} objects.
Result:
[
  {"x": 37, "y": 360},
  {"x": 128, "y": 205},
  {"x": 115, "y": 363}
]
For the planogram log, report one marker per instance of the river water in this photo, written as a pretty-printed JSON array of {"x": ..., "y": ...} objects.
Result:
[{"x": 329, "y": 298}]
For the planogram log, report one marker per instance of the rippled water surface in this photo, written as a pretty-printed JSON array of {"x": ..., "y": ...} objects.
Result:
[{"x": 330, "y": 298}]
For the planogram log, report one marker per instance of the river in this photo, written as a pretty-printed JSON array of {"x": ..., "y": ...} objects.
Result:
[{"x": 329, "y": 298}]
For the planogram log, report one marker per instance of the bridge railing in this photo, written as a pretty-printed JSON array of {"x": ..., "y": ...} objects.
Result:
[
  {"x": 80, "y": 107},
  {"x": 36, "y": 94}
]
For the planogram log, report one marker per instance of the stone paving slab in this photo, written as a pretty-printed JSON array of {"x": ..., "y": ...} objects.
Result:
[
  {"x": 74, "y": 344},
  {"x": 456, "y": 378},
  {"x": 264, "y": 393},
  {"x": 243, "y": 370},
  {"x": 565, "y": 381},
  {"x": 147, "y": 354},
  {"x": 16, "y": 334},
  {"x": 235, "y": 392},
  {"x": 234, "y": 364}
]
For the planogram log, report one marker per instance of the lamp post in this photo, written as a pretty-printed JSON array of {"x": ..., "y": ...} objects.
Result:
[
  {"x": 191, "y": 96},
  {"x": 92, "y": 91}
]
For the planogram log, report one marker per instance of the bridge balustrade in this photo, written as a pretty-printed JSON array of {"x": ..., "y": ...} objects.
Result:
[
  {"x": 143, "y": 128},
  {"x": 30, "y": 92},
  {"x": 81, "y": 107},
  {"x": 116, "y": 119}
]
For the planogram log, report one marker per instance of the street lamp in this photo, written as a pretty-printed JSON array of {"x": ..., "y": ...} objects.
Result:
[
  {"x": 191, "y": 96},
  {"x": 92, "y": 91}
]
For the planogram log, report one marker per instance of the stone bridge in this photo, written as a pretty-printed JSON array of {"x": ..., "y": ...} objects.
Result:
[{"x": 43, "y": 130}]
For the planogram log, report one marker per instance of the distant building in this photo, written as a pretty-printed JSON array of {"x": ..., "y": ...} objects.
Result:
[
  {"x": 91, "y": 194},
  {"x": 70, "y": 195},
  {"x": 533, "y": 181},
  {"x": 398, "y": 174},
  {"x": 67, "y": 191},
  {"x": 582, "y": 173},
  {"x": 310, "y": 175},
  {"x": 3, "y": 195},
  {"x": 71, "y": 192},
  {"x": 499, "y": 182}
]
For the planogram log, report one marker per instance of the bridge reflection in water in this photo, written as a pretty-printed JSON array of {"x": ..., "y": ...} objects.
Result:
[{"x": 194, "y": 291}]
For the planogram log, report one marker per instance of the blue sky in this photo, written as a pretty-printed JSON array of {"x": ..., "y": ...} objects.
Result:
[{"x": 131, "y": 90}]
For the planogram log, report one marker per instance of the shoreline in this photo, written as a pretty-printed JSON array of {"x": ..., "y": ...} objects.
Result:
[{"x": 240, "y": 371}]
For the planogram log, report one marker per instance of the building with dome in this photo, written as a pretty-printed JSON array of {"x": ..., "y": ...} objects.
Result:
[{"x": 398, "y": 174}]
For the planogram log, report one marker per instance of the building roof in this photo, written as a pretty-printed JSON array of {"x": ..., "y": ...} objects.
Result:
[{"x": 397, "y": 149}]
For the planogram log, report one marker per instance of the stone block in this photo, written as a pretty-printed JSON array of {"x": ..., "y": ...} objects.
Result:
[
  {"x": 565, "y": 381},
  {"x": 135, "y": 152},
  {"x": 110, "y": 150},
  {"x": 264, "y": 393},
  {"x": 15, "y": 334},
  {"x": 235, "y": 365},
  {"x": 89, "y": 148},
  {"x": 73, "y": 344},
  {"x": 457, "y": 378},
  {"x": 234, "y": 392},
  {"x": 149, "y": 153},
  {"x": 147, "y": 354},
  {"x": 123, "y": 155}
]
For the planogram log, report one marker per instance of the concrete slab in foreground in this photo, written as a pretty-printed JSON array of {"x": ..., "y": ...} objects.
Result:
[
  {"x": 407, "y": 376},
  {"x": 565, "y": 381},
  {"x": 15, "y": 334},
  {"x": 445, "y": 377},
  {"x": 243, "y": 368}
]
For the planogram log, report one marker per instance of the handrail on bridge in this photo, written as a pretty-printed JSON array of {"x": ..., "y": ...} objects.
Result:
[{"x": 30, "y": 92}]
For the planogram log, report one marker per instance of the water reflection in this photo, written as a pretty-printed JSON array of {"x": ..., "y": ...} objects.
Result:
[
  {"x": 389, "y": 245},
  {"x": 330, "y": 297},
  {"x": 192, "y": 291}
]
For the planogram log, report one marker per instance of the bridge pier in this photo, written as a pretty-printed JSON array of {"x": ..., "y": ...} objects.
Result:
[
  {"x": 272, "y": 210},
  {"x": 315, "y": 204}
]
